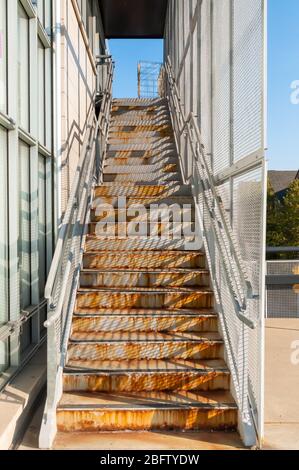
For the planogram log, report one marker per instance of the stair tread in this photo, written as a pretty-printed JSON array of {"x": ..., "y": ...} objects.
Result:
[
  {"x": 136, "y": 337},
  {"x": 95, "y": 243},
  {"x": 197, "y": 313},
  {"x": 146, "y": 270},
  {"x": 145, "y": 366},
  {"x": 137, "y": 253},
  {"x": 147, "y": 400}
]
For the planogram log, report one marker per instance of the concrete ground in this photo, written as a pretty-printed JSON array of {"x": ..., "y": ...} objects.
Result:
[
  {"x": 19, "y": 399},
  {"x": 282, "y": 384}
]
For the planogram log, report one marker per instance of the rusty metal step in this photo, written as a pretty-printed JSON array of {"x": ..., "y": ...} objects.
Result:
[
  {"x": 144, "y": 201},
  {"x": 139, "y": 101},
  {"x": 145, "y": 376},
  {"x": 155, "y": 169},
  {"x": 180, "y": 297},
  {"x": 150, "y": 244},
  {"x": 129, "y": 122},
  {"x": 155, "y": 154},
  {"x": 120, "y": 107},
  {"x": 157, "y": 129},
  {"x": 142, "y": 190},
  {"x": 155, "y": 178},
  {"x": 157, "y": 147},
  {"x": 144, "y": 320},
  {"x": 152, "y": 163},
  {"x": 153, "y": 115},
  {"x": 181, "y": 411},
  {"x": 145, "y": 137},
  {"x": 144, "y": 278},
  {"x": 179, "y": 211},
  {"x": 141, "y": 260},
  {"x": 99, "y": 346},
  {"x": 140, "y": 228}
]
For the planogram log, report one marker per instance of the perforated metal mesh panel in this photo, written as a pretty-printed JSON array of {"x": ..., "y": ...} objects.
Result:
[
  {"x": 247, "y": 67},
  {"x": 149, "y": 79},
  {"x": 231, "y": 116}
]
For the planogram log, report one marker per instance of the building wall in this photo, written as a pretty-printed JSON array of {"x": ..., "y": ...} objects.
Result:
[
  {"x": 33, "y": 165},
  {"x": 78, "y": 82},
  {"x": 26, "y": 131}
]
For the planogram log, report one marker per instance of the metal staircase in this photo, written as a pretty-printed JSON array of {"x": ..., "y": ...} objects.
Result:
[
  {"x": 137, "y": 335},
  {"x": 144, "y": 350}
]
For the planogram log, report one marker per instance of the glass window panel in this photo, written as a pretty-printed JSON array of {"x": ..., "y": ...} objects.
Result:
[
  {"x": 24, "y": 225},
  {"x": 4, "y": 360},
  {"x": 42, "y": 224},
  {"x": 3, "y": 227},
  {"x": 4, "y": 356},
  {"x": 41, "y": 91},
  {"x": 3, "y": 56},
  {"x": 48, "y": 100},
  {"x": 24, "y": 239},
  {"x": 43, "y": 247},
  {"x": 48, "y": 13},
  {"x": 23, "y": 67}
]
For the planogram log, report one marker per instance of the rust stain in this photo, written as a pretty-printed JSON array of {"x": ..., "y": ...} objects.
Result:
[
  {"x": 157, "y": 323},
  {"x": 139, "y": 300},
  {"x": 145, "y": 350},
  {"x": 145, "y": 382},
  {"x": 143, "y": 260}
]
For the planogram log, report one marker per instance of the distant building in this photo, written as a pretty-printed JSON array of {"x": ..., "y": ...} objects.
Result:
[{"x": 281, "y": 181}]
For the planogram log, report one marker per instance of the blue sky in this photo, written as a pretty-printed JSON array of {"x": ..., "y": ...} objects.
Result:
[
  {"x": 127, "y": 54},
  {"x": 283, "y": 116},
  {"x": 283, "y": 69}
]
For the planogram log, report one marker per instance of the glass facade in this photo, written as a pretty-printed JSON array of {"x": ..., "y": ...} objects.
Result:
[
  {"x": 26, "y": 180},
  {"x": 27, "y": 185}
]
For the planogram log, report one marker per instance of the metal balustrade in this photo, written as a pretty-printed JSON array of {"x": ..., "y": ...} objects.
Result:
[{"x": 238, "y": 295}]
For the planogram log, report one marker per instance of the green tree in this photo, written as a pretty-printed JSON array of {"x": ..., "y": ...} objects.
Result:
[
  {"x": 291, "y": 215},
  {"x": 275, "y": 215}
]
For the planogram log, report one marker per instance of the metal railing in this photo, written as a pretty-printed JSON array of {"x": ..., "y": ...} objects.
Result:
[
  {"x": 64, "y": 274},
  {"x": 196, "y": 159}
]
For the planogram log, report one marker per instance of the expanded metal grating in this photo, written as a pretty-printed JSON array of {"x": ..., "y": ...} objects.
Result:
[
  {"x": 282, "y": 299},
  {"x": 150, "y": 79}
]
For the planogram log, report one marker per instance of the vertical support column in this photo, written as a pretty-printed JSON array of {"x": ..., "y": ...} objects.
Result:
[{"x": 261, "y": 423}]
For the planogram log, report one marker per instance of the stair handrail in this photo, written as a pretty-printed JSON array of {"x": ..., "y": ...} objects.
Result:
[
  {"x": 94, "y": 125},
  {"x": 63, "y": 279},
  {"x": 239, "y": 282}
]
